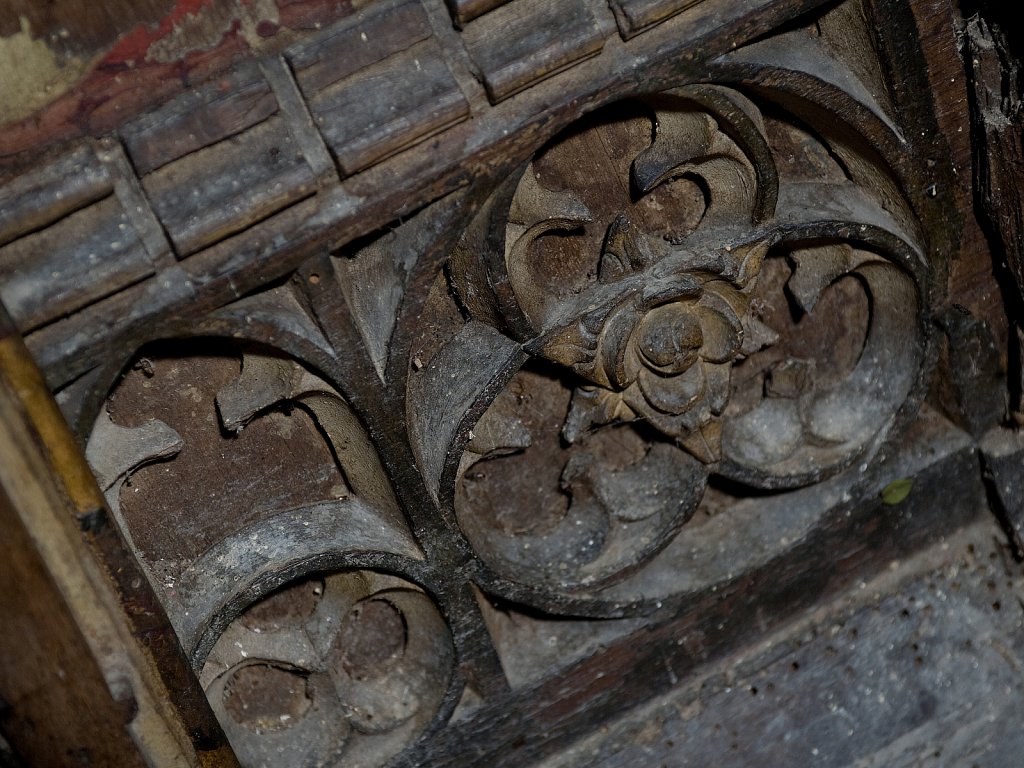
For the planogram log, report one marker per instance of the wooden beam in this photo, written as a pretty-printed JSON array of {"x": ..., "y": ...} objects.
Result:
[{"x": 88, "y": 671}]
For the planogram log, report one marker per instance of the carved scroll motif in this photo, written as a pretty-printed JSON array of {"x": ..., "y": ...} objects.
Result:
[
  {"x": 656, "y": 300},
  {"x": 252, "y": 495},
  {"x": 653, "y": 253},
  {"x": 350, "y": 667}
]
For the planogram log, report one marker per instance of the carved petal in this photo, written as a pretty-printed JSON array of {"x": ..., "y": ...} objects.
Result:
[
  {"x": 733, "y": 190},
  {"x": 623, "y": 252},
  {"x": 114, "y": 451},
  {"x": 673, "y": 394},
  {"x": 499, "y": 431},
  {"x": 718, "y": 378},
  {"x": 723, "y": 332},
  {"x": 749, "y": 259},
  {"x": 669, "y": 337},
  {"x": 386, "y": 686},
  {"x": 816, "y": 269},
  {"x": 648, "y": 487},
  {"x": 766, "y": 435},
  {"x": 593, "y": 407},
  {"x": 679, "y": 137},
  {"x": 740, "y": 118},
  {"x": 617, "y": 363},
  {"x": 265, "y": 380},
  {"x": 304, "y": 738},
  {"x": 757, "y": 336},
  {"x": 722, "y": 338},
  {"x": 705, "y": 444},
  {"x": 533, "y": 203}
]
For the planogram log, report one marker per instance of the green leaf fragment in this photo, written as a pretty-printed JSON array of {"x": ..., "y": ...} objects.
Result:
[{"x": 897, "y": 491}]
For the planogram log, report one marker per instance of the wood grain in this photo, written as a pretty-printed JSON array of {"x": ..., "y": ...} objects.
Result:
[
  {"x": 106, "y": 256},
  {"x": 528, "y": 40},
  {"x": 222, "y": 108},
  {"x": 414, "y": 96},
  {"x": 634, "y": 16},
  {"x": 53, "y": 188},
  {"x": 222, "y": 189}
]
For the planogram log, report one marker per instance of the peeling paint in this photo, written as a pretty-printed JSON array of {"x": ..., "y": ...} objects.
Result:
[
  {"x": 255, "y": 18},
  {"x": 208, "y": 26},
  {"x": 32, "y": 74}
]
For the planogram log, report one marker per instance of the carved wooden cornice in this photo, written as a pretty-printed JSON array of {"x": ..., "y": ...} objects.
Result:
[{"x": 445, "y": 323}]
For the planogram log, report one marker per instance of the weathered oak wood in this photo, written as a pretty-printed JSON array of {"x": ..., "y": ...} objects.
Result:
[
  {"x": 414, "y": 97},
  {"x": 634, "y": 16},
  {"x": 107, "y": 255},
  {"x": 225, "y": 188},
  {"x": 380, "y": 31},
  {"x": 51, "y": 190},
  {"x": 528, "y": 40},
  {"x": 464, "y": 11},
  {"x": 199, "y": 118},
  {"x": 594, "y": 337}
]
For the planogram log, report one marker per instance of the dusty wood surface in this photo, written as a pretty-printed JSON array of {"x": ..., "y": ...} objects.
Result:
[
  {"x": 998, "y": 126},
  {"x": 866, "y": 681},
  {"x": 462, "y": 377}
]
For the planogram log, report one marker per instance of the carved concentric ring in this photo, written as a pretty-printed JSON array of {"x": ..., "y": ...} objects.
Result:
[{"x": 299, "y": 667}]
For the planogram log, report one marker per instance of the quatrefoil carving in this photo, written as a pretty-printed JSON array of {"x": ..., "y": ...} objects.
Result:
[{"x": 766, "y": 328}]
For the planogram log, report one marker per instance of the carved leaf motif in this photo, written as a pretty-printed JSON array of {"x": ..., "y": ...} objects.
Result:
[
  {"x": 598, "y": 509},
  {"x": 653, "y": 304},
  {"x": 659, "y": 308},
  {"x": 347, "y": 667}
]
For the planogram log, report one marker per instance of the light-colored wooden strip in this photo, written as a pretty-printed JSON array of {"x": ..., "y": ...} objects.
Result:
[
  {"x": 135, "y": 203},
  {"x": 300, "y": 122},
  {"x": 55, "y": 509}
]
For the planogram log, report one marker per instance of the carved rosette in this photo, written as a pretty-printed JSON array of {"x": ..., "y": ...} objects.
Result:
[
  {"x": 654, "y": 254},
  {"x": 664, "y": 311},
  {"x": 663, "y": 356}
]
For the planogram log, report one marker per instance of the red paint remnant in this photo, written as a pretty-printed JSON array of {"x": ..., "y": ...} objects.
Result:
[
  {"x": 135, "y": 45},
  {"x": 267, "y": 28},
  {"x": 124, "y": 83}
]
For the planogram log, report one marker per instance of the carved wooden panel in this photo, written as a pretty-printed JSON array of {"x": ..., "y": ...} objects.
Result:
[{"x": 445, "y": 381}]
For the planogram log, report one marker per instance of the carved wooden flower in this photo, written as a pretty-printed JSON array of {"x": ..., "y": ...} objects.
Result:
[
  {"x": 666, "y": 361},
  {"x": 634, "y": 266},
  {"x": 669, "y": 365}
]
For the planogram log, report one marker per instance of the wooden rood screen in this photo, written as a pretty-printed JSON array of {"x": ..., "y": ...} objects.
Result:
[{"x": 475, "y": 385}]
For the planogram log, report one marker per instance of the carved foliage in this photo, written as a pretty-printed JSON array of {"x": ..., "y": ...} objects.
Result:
[
  {"x": 232, "y": 471},
  {"x": 654, "y": 253},
  {"x": 662, "y": 310},
  {"x": 351, "y": 666},
  {"x": 651, "y": 301}
]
